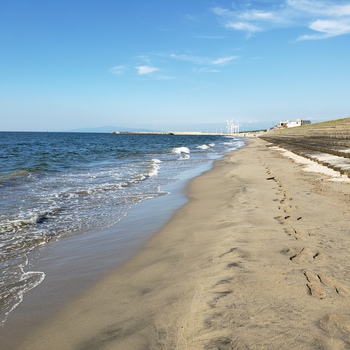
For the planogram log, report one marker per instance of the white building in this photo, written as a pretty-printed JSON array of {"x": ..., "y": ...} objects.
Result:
[{"x": 293, "y": 124}]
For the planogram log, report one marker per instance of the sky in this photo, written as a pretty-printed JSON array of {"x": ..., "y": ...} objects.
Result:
[{"x": 172, "y": 64}]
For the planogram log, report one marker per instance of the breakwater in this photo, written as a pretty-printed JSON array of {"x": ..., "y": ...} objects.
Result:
[{"x": 182, "y": 133}]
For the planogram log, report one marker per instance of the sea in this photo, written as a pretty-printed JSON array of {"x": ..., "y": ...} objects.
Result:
[{"x": 54, "y": 186}]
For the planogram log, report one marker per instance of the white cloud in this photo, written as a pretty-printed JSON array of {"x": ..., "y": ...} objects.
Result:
[
  {"x": 204, "y": 60},
  {"x": 257, "y": 15},
  {"x": 193, "y": 59},
  {"x": 117, "y": 70},
  {"x": 222, "y": 12},
  {"x": 324, "y": 18},
  {"x": 331, "y": 27},
  {"x": 205, "y": 70},
  {"x": 305, "y": 6},
  {"x": 341, "y": 10},
  {"x": 319, "y": 8},
  {"x": 243, "y": 26},
  {"x": 248, "y": 20},
  {"x": 145, "y": 69},
  {"x": 224, "y": 60},
  {"x": 327, "y": 29}
]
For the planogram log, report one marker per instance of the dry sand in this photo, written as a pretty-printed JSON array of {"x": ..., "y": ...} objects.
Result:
[{"x": 258, "y": 259}]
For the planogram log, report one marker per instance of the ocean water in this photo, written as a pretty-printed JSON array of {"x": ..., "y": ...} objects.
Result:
[{"x": 56, "y": 185}]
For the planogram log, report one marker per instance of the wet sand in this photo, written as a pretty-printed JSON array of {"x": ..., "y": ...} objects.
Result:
[{"x": 257, "y": 259}]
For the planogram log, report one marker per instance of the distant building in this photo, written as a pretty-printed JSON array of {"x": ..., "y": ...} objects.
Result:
[{"x": 293, "y": 124}]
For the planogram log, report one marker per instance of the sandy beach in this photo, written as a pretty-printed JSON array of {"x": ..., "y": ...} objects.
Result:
[{"x": 257, "y": 259}]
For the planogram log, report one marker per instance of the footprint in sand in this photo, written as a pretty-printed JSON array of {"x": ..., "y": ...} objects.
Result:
[
  {"x": 285, "y": 198},
  {"x": 286, "y": 209},
  {"x": 305, "y": 255},
  {"x": 224, "y": 281},
  {"x": 221, "y": 343},
  {"x": 237, "y": 252},
  {"x": 312, "y": 232},
  {"x": 322, "y": 286},
  {"x": 218, "y": 295},
  {"x": 282, "y": 219},
  {"x": 297, "y": 234},
  {"x": 314, "y": 285},
  {"x": 233, "y": 258}
]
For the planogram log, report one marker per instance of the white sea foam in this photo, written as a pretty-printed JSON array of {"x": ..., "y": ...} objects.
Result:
[
  {"x": 27, "y": 281},
  {"x": 154, "y": 168},
  {"x": 180, "y": 150},
  {"x": 138, "y": 178},
  {"x": 184, "y": 156},
  {"x": 203, "y": 147},
  {"x": 31, "y": 219}
]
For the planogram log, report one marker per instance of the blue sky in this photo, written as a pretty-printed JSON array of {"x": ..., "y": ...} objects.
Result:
[{"x": 172, "y": 64}]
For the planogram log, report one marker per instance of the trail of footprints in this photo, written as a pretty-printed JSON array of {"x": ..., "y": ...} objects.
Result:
[{"x": 318, "y": 285}]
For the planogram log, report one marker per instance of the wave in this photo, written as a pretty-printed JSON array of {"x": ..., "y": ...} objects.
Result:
[
  {"x": 184, "y": 152},
  {"x": 13, "y": 177},
  {"x": 32, "y": 219},
  {"x": 154, "y": 167},
  {"x": 206, "y": 146},
  {"x": 231, "y": 143},
  {"x": 150, "y": 169},
  {"x": 203, "y": 147},
  {"x": 180, "y": 150},
  {"x": 12, "y": 296}
]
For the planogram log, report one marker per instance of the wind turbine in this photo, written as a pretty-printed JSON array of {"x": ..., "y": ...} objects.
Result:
[{"x": 232, "y": 127}]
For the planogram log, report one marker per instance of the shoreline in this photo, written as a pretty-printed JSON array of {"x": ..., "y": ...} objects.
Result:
[
  {"x": 258, "y": 257},
  {"x": 72, "y": 265}
]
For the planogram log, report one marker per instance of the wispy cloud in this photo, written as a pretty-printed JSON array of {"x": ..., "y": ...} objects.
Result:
[
  {"x": 224, "y": 60},
  {"x": 142, "y": 70},
  {"x": 327, "y": 28},
  {"x": 206, "y": 70},
  {"x": 118, "y": 70},
  {"x": 248, "y": 27},
  {"x": 193, "y": 59},
  {"x": 199, "y": 64},
  {"x": 322, "y": 19},
  {"x": 204, "y": 60}
]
